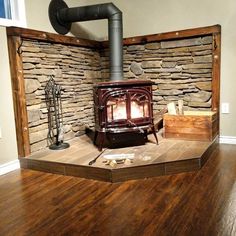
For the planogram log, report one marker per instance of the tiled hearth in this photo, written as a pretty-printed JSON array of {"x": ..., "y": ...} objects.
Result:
[{"x": 149, "y": 160}]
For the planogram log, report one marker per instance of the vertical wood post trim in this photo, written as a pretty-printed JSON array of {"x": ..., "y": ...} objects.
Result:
[
  {"x": 216, "y": 58},
  {"x": 216, "y": 72},
  {"x": 19, "y": 100}
]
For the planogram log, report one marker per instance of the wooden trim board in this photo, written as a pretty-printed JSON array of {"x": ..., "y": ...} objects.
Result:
[
  {"x": 51, "y": 37},
  {"x": 180, "y": 34},
  {"x": 19, "y": 100}
]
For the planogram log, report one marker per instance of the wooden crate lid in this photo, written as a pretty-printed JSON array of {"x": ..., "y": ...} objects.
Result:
[
  {"x": 191, "y": 115},
  {"x": 199, "y": 113}
]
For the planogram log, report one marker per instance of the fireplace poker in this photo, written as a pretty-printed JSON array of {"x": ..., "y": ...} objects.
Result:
[{"x": 95, "y": 159}]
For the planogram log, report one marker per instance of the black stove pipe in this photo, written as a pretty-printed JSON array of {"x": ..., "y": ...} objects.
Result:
[{"x": 61, "y": 18}]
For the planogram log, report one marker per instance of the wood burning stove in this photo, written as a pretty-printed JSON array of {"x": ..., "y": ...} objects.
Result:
[
  {"x": 123, "y": 107},
  {"x": 120, "y": 106}
]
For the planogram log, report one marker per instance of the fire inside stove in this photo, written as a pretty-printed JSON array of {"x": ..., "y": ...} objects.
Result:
[
  {"x": 123, "y": 107},
  {"x": 117, "y": 108}
]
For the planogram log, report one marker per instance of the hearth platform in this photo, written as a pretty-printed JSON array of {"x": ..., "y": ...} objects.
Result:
[{"x": 169, "y": 157}]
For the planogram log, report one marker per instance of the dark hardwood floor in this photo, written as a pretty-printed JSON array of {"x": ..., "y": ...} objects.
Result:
[{"x": 195, "y": 203}]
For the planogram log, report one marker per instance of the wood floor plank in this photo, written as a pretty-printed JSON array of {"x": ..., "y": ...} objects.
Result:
[{"x": 195, "y": 203}]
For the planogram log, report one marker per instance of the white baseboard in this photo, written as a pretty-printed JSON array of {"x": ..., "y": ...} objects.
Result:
[
  {"x": 10, "y": 166},
  {"x": 228, "y": 139}
]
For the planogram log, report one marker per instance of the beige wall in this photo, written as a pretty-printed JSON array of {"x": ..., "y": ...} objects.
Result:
[
  {"x": 36, "y": 16},
  {"x": 140, "y": 17},
  {"x": 8, "y": 148}
]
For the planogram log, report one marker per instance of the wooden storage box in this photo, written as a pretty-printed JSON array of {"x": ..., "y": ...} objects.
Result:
[{"x": 193, "y": 125}]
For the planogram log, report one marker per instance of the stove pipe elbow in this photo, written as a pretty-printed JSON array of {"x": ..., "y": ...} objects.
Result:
[{"x": 61, "y": 18}]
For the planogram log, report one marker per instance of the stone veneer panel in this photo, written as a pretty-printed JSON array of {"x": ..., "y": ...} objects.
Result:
[
  {"x": 76, "y": 69},
  {"x": 180, "y": 69}
]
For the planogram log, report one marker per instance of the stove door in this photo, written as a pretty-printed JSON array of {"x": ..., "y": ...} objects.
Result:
[
  {"x": 128, "y": 108},
  {"x": 139, "y": 105},
  {"x": 117, "y": 108}
]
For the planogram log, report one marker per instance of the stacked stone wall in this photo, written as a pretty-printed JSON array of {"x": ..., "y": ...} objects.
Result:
[
  {"x": 180, "y": 69},
  {"x": 76, "y": 69}
]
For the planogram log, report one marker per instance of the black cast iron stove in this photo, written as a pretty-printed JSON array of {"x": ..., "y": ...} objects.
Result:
[
  {"x": 123, "y": 107},
  {"x": 120, "y": 106}
]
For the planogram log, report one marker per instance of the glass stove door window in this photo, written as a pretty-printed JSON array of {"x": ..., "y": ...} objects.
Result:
[
  {"x": 139, "y": 105},
  {"x": 116, "y": 108}
]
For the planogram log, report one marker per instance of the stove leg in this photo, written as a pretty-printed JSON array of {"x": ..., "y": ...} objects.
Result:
[
  {"x": 154, "y": 133},
  {"x": 145, "y": 135},
  {"x": 101, "y": 138},
  {"x": 95, "y": 137}
]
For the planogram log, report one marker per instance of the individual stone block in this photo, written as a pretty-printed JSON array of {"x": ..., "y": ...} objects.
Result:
[
  {"x": 31, "y": 85},
  {"x": 177, "y": 59},
  {"x": 202, "y": 53},
  {"x": 151, "y": 64},
  {"x": 38, "y": 128},
  {"x": 202, "y": 59},
  {"x": 92, "y": 74},
  {"x": 152, "y": 46},
  {"x": 197, "y": 66},
  {"x": 199, "y": 104},
  {"x": 207, "y": 40},
  {"x": 207, "y": 86},
  {"x": 181, "y": 43},
  {"x": 157, "y": 98},
  {"x": 33, "y": 115},
  {"x": 27, "y": 66},
  {"x": 198, "y": 71},
  {"x": 201, "y": 96},
  {"x": 171, "y": 98},
  {"x": 31, "y": 60},
  {"x": 136, "y": 68},
  {"x": 32, "y": 99},
  {"x": 169, "y": 92},
  {"x": 169, "y": 64},
  {"x": 42, "y": 72},
  {"x": 175, "y": 86},
  {"x": 135, "y": 48}
]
